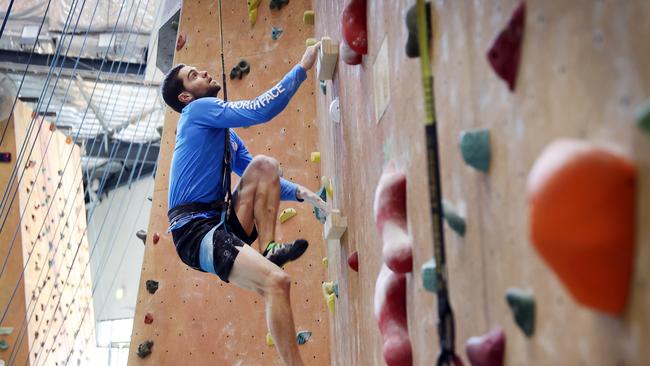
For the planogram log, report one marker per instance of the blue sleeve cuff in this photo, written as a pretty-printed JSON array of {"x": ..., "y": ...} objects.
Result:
[{"x": 288, "y": 191}]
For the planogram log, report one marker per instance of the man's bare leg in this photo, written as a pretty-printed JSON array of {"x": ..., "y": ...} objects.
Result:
[
  {"x": 257, "y": 202},
  {"x": 254, "y": 272},
  {"x": 258, "y": 198}
]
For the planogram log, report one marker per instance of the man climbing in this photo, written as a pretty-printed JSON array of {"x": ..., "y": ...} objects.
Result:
[{"x": 210, "y": 227}]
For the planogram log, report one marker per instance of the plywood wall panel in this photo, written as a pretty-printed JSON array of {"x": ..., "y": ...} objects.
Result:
[
  {"x": 196, "y": 316},
  {"x": 49, "y": 256}
]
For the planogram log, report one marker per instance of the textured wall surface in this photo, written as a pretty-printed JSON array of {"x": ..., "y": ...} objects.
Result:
[
  {"x": 52, "y": 312},
  {"x": 197, "y": 318},
  {"x": 583, "y": 74}
]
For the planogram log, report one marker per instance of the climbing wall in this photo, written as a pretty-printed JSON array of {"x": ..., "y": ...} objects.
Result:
[
  {"x": 51, "y": 312},
  {"x": 583, "y": 74},
  {"x": 194, "y": 316}
]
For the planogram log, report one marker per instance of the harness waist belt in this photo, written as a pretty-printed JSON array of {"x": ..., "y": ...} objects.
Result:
[{"x": 186, "y": 209}]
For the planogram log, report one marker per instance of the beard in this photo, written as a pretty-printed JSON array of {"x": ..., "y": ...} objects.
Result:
[{"x": 213, "y": 90}]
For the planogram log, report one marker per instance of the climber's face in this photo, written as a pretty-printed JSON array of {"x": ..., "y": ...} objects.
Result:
[{"x": 197, "y": 84}]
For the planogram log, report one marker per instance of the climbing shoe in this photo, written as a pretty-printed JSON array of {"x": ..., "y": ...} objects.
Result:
[{"x": 280, "y": 254}]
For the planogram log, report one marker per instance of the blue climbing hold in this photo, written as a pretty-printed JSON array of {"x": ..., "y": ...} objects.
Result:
[
  {"x": 303, "y": 336},
  {"x": 276, "y": 32}
]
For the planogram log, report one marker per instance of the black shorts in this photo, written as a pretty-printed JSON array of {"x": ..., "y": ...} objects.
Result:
[{"x": 187, "y": 240}]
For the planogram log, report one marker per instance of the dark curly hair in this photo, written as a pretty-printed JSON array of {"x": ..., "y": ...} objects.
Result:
[{"x": 171, "y": 87}]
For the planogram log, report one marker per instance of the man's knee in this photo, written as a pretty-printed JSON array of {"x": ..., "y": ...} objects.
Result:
[
  {"x": 278, "y": 282},
  {"x": 265, "y": 165}
]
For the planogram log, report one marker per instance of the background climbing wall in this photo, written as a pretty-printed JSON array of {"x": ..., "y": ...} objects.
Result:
[
  {"x": 583, "y": 74},
  {"x": 52, "y": 311},
  {"x": 196, "y": 317}
]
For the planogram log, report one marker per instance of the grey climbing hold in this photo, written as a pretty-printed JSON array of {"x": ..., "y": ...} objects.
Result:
[
  {"x": 643, "y": 117},
  {"x": 336, "y": 289},
  {"x": 455, "y": 221},
  {"x": 238, "y": 71},
  {"x": 6, "y": 330},
  {"x": 152, "y": 286},
  {"x": 522, "y": 305},
  {"x": 475, "y": 147},
  {"x": 142, "y": 235},
  {"x": 303, "y": 336},
  {"x": 276, "y": 32},
  {"x": 428, "y": 273},
  {"x": 278, "y": 4},
  {"x": 144, "y": 349}
]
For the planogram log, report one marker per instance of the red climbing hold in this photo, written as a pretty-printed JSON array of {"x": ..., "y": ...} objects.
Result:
[
  {"x": 148, "y": 319},
  {"x": 348, "y": 55},
  {"x": 353, "y": 22},
  {"x": 353, "y": 261},
  {"x": 582, "y": 214},
  {"x": 505, "y": 53},
  {"x": 390, "y": 311},
  {"x": 488, "y": 349},
  {"x": 390, "y": 216},
  {"x": 180, "y": 40},
  {"x": 156, "y": 237}
]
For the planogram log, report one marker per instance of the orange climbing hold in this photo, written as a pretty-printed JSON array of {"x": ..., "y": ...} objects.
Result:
[
  {"x": 156, "y": 237},
  {"x": 581, "y": 200}
]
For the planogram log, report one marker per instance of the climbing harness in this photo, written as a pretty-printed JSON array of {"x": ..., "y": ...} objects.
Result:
[{"x": 446, "y": 328}]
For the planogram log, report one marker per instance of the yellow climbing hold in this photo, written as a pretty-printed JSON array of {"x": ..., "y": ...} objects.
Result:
[
  {"x": 325, "y": 182},
  {"x": 310, "y": 42},
  {"x": 308, "y": 17},
  {"x": 252, "y": 10},
  {"x": 315, "y": 157},
  {"x": 330, "y": 299},
  {"x": 286, "y": 214},
  {"x": 325, "y": 262},
  {"x": 269, "y": 340},
  {"x": 328, "y": 288}
]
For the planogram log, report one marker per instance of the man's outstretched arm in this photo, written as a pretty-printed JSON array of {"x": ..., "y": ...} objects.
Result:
[{"x": 243, "y": 113}]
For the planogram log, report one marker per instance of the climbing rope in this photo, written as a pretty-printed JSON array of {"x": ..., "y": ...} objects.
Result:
[{"x": 446, "y": 327}]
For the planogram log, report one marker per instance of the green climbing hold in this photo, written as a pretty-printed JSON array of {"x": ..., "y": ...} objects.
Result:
[
  {"x": 323, "y": 87},
  {"x": 475, "y": 147},
  {"x": 320, "y": 215},
  {"x": 454, "y": 219},
  {"x": 6, "y": 330},
  {"x": 3, "y": 345},
  {"x": 643, "y": 117},
  {"x": 522, "y": 305},
  {"x": 303, "y": 336},
  {"x": 144, "y": 349},
  {"x": 428, "y": 273}
]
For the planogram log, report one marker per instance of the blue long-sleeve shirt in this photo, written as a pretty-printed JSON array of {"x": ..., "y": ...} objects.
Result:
[{"x": 197, "y": 163}]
